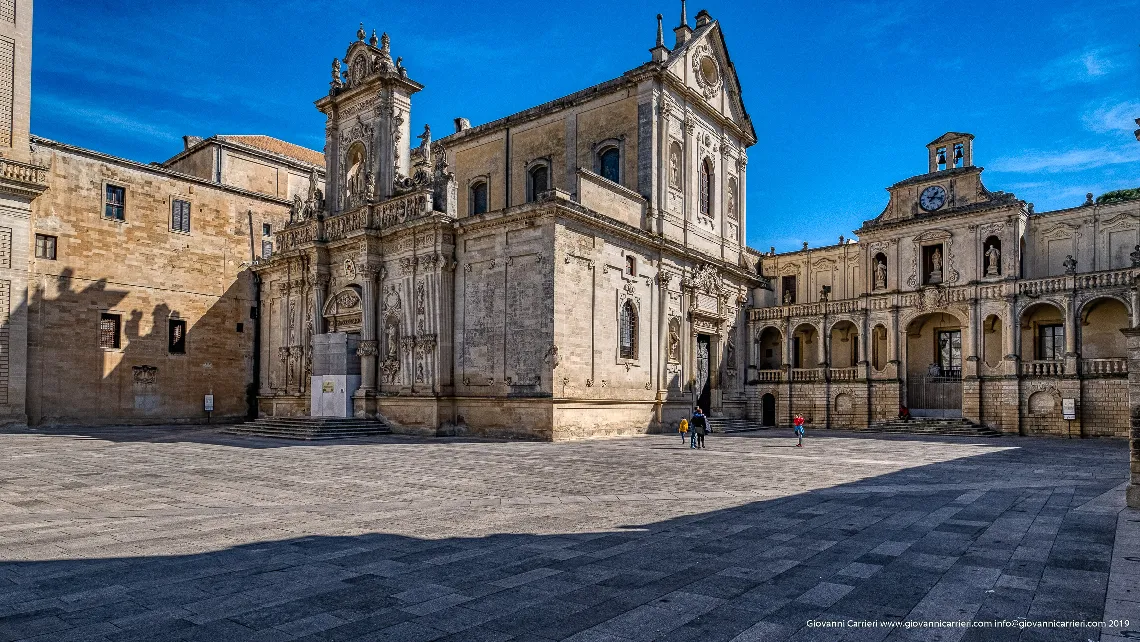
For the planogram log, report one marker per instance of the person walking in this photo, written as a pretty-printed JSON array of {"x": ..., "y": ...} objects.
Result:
[
  {"x": 697, "y": 428},
  {"x": 799, "y": 425},
  {"x": 683, "y": 429}
]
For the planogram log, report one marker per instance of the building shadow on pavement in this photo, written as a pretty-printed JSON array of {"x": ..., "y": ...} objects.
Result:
[{"x": 1013, "y": 533}]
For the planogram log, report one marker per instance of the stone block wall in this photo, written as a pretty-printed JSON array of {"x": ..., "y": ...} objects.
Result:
[{"x": 1104, "y": 407}]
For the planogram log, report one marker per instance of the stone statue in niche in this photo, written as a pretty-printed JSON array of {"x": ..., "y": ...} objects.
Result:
[
  {"x": 731, "y": 204},
  {"x": 730, "y": 350},
  {"x": 674, "y": 349},
  {"x": 390, "y": 333},
  {"x": 936, "y": 266},
  {"x": 880, "y": 275},
  {"x": 787, "y": 297},
  {"x": 674, "y": 169},
  {"x": 356, "y": 171},
  {"x": 1070, "y": 265},
  {"x": 993, "y": 261}
]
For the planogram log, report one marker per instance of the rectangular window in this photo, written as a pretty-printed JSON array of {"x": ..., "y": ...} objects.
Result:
[
  {"x": 176, "y": 338},
  {"x": 1050, "y": 342},
  {"x": 266, "y": 229},
  {"x": 950, "y": 353},
  {"x": 266, "y": 249},
  {"x": 788, "y": 290},
  {"x": 109, "y": 330},
  {"x": 180, "y": 216},
  {"x": 45, "y": 247},
  {"x": 114, "y": 202}
]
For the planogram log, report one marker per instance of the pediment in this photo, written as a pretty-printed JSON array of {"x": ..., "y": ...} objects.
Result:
[{"x": 704, "y": 66}]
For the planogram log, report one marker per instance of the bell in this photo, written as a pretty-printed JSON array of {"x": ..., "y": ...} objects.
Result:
[
  {"x": 958, "y": 153},
  {"x": 942, "y": 157}
]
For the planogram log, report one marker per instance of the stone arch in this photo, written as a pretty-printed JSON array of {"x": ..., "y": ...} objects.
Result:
[
  {"x": 1042, "y": 331},
  {"x": 805, "y": 346},
  {"x": 844, "y": 403},
  {"x": 993, "y": 336},
  {"x": 1042, "y": 403},
  {"x": 879, "y": 347},
  {"x": 843, "y": 346},
  {"x": 932, "y": 346},
  {"x": 769, "y": 344},
  {"x": 344, "y": 310},
  {"x": 1101, "y": 320}
]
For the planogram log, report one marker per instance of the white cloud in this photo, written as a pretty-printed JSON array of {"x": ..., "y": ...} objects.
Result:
[
  {"x": 1109, "y": 117},
  {"x": 1065, "y": 160},
  {"x": 96, "y": 117},
  {"x": 1087, "y": 66}
]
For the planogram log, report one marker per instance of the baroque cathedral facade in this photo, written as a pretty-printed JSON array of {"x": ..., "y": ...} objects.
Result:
[{"x": 577, "y": 269}]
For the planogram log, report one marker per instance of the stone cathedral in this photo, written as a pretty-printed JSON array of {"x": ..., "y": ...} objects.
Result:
[{"x": 575, "y": 269}]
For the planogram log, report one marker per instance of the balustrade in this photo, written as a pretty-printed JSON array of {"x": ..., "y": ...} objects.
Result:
[
  {"x": 1042, "y": 368},
  {"x": 1104, "y": 366},
  {"x": 844, "y": 374}
]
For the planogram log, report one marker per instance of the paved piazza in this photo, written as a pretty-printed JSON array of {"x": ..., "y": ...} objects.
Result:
[{"x": 186, "y": 534}]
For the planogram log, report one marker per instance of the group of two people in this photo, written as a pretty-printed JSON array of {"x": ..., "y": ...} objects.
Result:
[{"x": 698, "y": 427}]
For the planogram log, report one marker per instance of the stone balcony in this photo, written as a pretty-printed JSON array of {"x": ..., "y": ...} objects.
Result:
[{"x": 22, "y": 179}]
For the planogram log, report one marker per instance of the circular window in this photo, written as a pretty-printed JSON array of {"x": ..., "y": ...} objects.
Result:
[{"x": 708, "y": 71}]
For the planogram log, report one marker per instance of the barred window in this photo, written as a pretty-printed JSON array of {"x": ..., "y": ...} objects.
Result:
[
  {"x": 109, "y": 330},
  {"x": 176, "y": 338},
  {"x": 114, "y": 202},
  {"x": 266, "y": 249},
  {"x": 45, "y": 247},
  {"x": 180, "y": 216},
  {"x": 627, "y": 348}
]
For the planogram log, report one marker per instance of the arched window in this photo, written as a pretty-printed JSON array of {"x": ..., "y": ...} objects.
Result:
[
  {"x": 538, "y": 179},
  {"x": 479, "y": 197},
  {"x": 609, "y": 162},
  {"x": 706, "y": 187},
  {"x": 627, "y": 346},
  {"x": 630, "y": 266}
]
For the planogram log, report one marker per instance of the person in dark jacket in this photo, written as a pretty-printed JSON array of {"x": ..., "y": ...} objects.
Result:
[{"x": 698, "y": 427}]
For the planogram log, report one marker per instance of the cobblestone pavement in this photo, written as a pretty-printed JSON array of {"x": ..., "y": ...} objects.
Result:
[{"x": 185, "y": 534}]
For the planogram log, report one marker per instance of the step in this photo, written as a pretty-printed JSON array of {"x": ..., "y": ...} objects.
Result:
[{"x": 310, "y": 428}]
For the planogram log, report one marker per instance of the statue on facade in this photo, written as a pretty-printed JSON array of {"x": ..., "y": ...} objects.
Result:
[
  {"x": 936, "y": 265},
  {"x": 336, "y": 73},
  {"x": 1070, "y": 265},
  {"x": 787, "y": 297},
  {"x": 674, "y": 350},
  {"x": 390, "y": 334},
  {"x": 993, "y": 261},
  {"x": 424, "y": 151},
  {"x": 674, "y": 169},
  {"x": 730, "y": 350},
  {"x": 880, "y": 275}
]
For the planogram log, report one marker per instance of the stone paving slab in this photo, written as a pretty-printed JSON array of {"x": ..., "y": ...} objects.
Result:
[{"x": 187, "y": 534}]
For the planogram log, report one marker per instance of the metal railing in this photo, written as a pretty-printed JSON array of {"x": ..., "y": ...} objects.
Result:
[{"x": 930, "y": 392}]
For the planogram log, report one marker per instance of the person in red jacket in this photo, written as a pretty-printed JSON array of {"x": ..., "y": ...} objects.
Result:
[{"x": 799, "y": 424}]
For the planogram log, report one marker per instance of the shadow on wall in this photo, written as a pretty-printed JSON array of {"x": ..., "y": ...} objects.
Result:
[
  {"x": 93, "y": 359},
  {"x": 919, "y": 542}
]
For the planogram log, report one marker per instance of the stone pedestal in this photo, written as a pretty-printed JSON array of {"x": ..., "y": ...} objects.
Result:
[{"x": 336, "y": 374}]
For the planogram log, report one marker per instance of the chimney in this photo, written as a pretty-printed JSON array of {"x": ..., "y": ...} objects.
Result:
[
  {"x": 462, "y": 124},
  {"x": 190, "y": 141}
]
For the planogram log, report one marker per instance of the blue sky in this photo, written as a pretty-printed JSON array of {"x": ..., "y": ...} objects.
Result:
[{"x": 844, "y": 96}]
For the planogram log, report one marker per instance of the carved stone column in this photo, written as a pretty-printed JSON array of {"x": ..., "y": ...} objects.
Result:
[
  {"x": 320, "y": 286},
  {"x": 1070, "y": 337},
  {"x": 1132, "y": 336},
  {"x": 367, "y": 349},
  {"x": 663, "y": 279}
]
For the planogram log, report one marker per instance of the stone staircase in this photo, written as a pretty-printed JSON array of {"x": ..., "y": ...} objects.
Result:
[
  {"x": 310, "y": 428},
  {"x": 731, "y": 424},
  {"x": 956, "y": 427}
]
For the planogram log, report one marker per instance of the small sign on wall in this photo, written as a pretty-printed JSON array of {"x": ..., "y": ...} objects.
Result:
[
  {"x": 1069, "y": 409},
  {"x": 328, "y": 386},
  {"x": 208, "y": 402}
]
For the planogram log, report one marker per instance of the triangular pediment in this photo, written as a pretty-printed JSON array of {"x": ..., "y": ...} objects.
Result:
[
  {"x": 949, "y": 136},
  {"x": 704, "y": 66}
]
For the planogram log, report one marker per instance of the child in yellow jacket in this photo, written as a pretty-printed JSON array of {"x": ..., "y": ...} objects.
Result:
[{"x": 683, "y": 429}]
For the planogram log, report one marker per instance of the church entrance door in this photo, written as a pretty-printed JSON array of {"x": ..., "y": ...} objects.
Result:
[
  {"x": 768, "y": 411},
  {"x": 703, "y": 384}
]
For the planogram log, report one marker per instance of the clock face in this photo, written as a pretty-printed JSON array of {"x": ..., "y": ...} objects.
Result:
[{"x": 932, "y": 198}]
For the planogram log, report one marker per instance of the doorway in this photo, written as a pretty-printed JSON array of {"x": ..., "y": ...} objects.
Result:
[
  {"x": 768, "y": 410},
  {"x": 702, "y": 386}
]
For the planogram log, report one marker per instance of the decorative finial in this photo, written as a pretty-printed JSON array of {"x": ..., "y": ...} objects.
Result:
[
  {"x": 1089, "y": 198},
  {"x": 805, "y": 245},
  {"x": 660, "y": 32},
  {"x": 684, "y": 15},
  {"x": 372, "y": 41},
  {"x": 360, "y": 33},
  {"x": 385, "y": 43},
  {"x": 841, "y": 239}
]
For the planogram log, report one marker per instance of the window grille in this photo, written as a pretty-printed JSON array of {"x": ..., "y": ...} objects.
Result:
[{"x": 109, "y": 330}]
